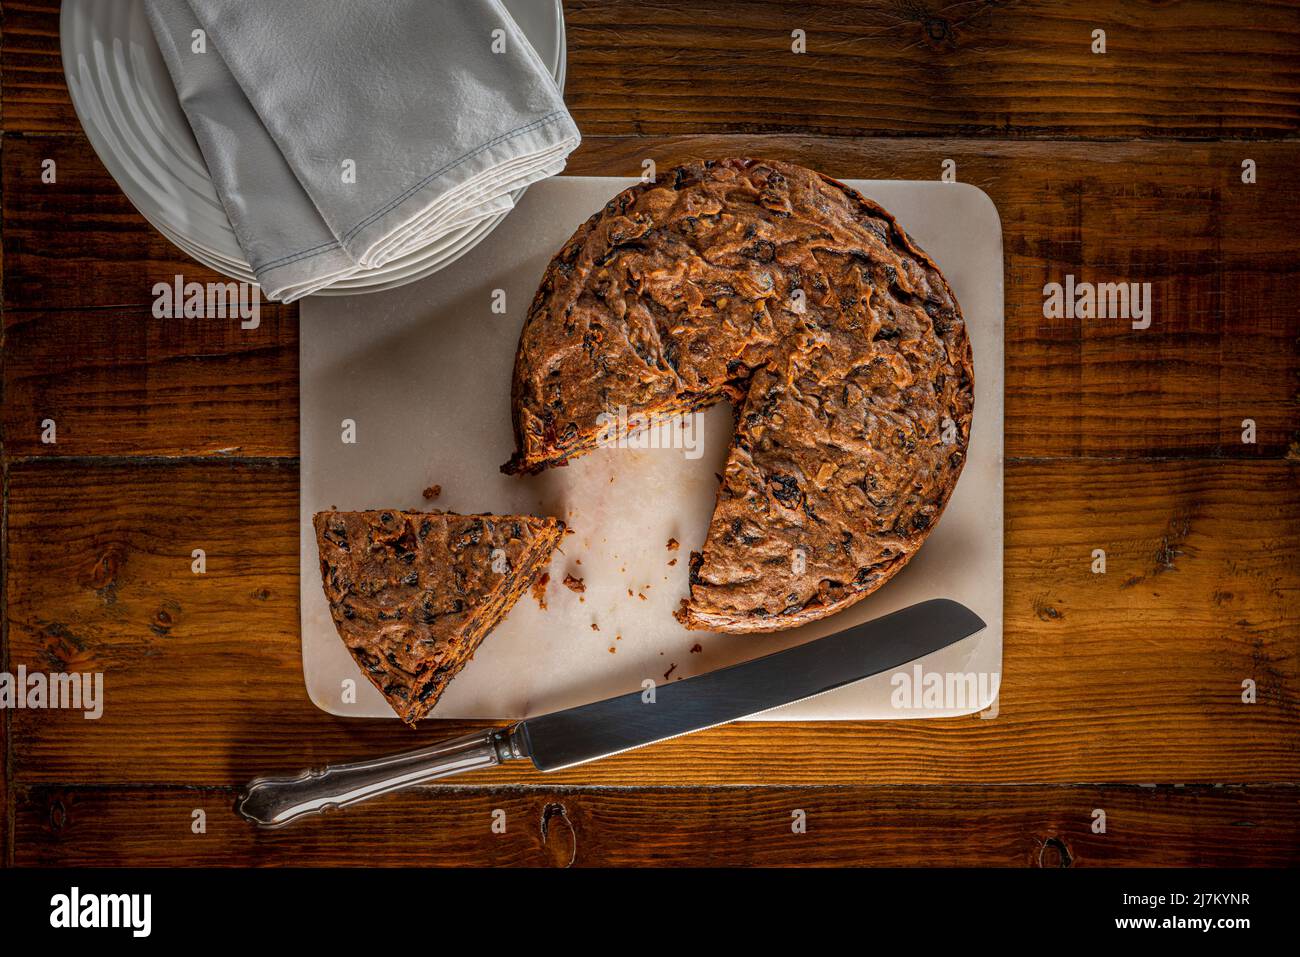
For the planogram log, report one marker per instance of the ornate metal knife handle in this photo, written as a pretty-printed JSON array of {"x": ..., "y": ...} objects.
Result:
[{"x": 275, "y": 801}]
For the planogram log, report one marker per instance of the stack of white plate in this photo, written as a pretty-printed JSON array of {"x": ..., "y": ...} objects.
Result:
[{"x": 128, "y": 108}]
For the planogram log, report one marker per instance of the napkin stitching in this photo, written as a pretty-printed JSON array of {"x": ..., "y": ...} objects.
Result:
[
  {"x": 338, "y": 244},
  {"x": 549, "y": 118},
  {"x": 302, "y": 254}
]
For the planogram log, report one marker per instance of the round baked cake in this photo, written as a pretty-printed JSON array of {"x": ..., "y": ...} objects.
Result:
[{"x": 836, "y": 338}]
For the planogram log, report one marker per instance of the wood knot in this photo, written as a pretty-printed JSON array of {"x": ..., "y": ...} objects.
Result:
[
  {"x": 559, "y": 836},
  {"x": 1054, "y": 853},
  {"x": 57, "y": 814},
  {"x": 103, "y": 576},
  {"x": 937, "y": 29},
  {"x": 164, "y": 618},
  {"x": 1045, "y": 611}
]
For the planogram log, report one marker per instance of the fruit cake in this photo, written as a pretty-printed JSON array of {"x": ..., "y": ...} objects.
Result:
[
  {"x": 413, "y": 594},
  {"x": 835, "y": 337}
]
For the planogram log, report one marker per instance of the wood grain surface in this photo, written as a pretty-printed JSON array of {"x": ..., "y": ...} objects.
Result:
[
  {"x": 1198, "y": 68},
  {"x": 181, "y": 434},
  {"x": 720, "y": 827}
]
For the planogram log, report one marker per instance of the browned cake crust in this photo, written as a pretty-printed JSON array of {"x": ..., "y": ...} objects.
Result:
[
  {"x": 837, "y": 338},
  {"x": 413, "y": 594}
]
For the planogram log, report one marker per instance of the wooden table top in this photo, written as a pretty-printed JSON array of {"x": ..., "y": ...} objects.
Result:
[{"x": 1121, "y": 692}]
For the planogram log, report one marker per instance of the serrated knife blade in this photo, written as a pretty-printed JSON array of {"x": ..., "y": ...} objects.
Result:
[{"x": 603, "y": 728}]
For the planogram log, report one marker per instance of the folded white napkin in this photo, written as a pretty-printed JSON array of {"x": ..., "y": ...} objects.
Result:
[{"x": 342, "y": 136}]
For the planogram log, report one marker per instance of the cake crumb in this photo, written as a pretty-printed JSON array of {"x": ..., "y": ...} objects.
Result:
[
  {"x": 574, "y": 584},
  {"x": 595, "y": 627},
  {"x": 668, "y": 673},
  {"x": 673, "y": 562},
  {"x": 611, "y": 649},
  {"x": 696, "y": 649},
  {"x": 432, "y": 492},
  {"x": 539, "y": 589},
  {"x": 673, "y": 544}
]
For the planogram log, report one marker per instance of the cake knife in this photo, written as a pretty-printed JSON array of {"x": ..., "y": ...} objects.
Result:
[{"x": 563, "y": 739}]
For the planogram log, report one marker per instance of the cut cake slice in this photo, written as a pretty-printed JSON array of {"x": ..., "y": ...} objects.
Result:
[{"x": 413, "y": 594}]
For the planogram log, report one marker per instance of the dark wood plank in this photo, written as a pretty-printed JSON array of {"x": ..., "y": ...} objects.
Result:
[
  {"x": 33, "y": 91},
  {"x": 1204, "y": 68},
  {"x": 78, "y": 243},
  {"x": 121, "y": 381},
  {"x": 969, "y": 69},
  {"x": 6, "y": 752},
  {"x": 1131, "y": 676},
  {"x": 1224, "y": 344},
  {"x": 721, "y": 827},
  {"x": 6, "y": 796}
]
